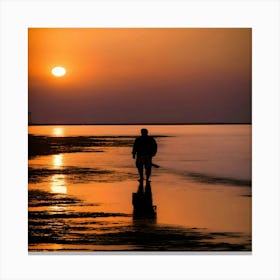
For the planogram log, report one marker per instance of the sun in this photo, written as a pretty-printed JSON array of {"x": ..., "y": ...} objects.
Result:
[{"x": 58, "y": 71}]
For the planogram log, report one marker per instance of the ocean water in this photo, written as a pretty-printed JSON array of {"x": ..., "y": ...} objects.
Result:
[{"x": 81, "y": 180}]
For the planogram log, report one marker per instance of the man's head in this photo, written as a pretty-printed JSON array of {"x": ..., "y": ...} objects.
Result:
[{"x": 144, "y": 131}]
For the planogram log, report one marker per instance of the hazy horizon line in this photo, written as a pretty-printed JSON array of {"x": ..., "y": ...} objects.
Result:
[{"x": 196, "y": 123}]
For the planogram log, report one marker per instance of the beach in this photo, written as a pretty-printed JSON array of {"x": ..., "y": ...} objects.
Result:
[{"x": 82, "y": 179}]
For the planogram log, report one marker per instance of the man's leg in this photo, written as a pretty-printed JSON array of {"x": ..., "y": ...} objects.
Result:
[
  {"x": 139, "y": 165},
  {"x": 148, "y": 167}
]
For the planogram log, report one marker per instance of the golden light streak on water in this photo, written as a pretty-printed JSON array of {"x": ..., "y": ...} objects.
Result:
[
  {"x": 58, "y": 184},
  {"x": 57, "y": 160},
  {"x": 58, "y": 131}
]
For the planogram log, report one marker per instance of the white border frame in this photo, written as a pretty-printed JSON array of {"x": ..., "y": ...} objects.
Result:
[{"x": 262, "y": 16}]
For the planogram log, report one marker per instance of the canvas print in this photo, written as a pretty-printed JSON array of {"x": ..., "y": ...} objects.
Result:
[{"x": 139, "y": 139}]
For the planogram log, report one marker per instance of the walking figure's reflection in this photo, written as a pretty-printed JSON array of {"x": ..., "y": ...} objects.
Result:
[{"x": 143, "y": 202}]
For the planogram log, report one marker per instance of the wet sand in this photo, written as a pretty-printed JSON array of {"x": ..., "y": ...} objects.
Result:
[
  {"x": 85, "y": 219},
  {"x": 80, "y": 207}
]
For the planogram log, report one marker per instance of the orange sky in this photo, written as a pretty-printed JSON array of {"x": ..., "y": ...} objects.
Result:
[{"x": 173, "y": 75}]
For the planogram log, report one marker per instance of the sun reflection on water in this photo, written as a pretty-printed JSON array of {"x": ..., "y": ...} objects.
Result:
[
  {"x": 58, "y": 131},
  {"x": 57, "y": 160},
  {"x": 58, "y": 184},
  {"x": 57, "y": 208}
]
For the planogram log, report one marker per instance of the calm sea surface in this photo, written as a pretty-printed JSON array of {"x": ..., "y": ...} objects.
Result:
[{"x": 80, "y": 191}]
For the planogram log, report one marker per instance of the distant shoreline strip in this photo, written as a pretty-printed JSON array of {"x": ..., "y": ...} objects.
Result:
[{"x": 65, "y": 124}]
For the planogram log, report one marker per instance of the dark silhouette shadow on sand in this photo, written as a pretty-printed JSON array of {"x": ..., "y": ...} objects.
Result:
[{"x": 142, "y": 202}]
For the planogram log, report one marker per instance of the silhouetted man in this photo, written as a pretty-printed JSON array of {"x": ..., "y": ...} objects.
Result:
[{"x": 144, "y": 148}]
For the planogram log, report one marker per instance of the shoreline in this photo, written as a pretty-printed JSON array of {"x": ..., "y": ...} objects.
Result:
[
  {"x": 81, "y": 190},
  {"x": 127, "y": 124}
]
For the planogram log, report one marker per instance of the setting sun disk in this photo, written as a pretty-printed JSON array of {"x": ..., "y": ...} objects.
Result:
[{"x": 58, "y": 71}]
